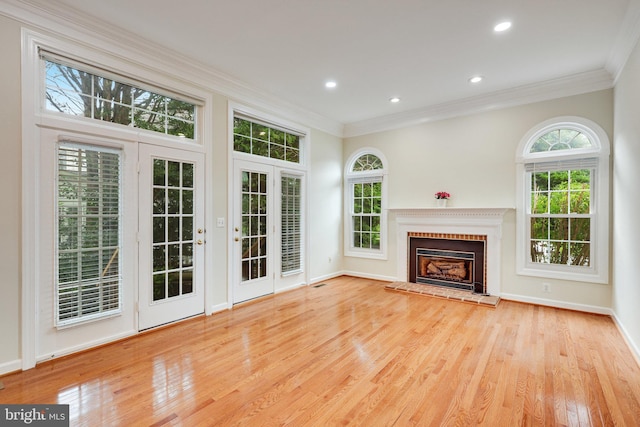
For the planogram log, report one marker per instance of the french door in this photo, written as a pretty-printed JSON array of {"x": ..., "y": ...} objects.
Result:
[
  {"x": 268, "y": 230},
  {"x": 171, "y": 235}
]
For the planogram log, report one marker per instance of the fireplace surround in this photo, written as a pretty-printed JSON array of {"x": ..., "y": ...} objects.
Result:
[{"x": 474, "y": 224}]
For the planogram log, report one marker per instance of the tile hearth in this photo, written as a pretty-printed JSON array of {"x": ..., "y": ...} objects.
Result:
[{"x": 444, "y": 292}]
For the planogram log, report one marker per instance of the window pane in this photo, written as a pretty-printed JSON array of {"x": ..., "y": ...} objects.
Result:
[
  {"x": 561, "y": 139},
  {"x": 580, "y": 254},
  {"x": 79, "y": 93},
  {"x": 291, "y": 223},
  {"x": 581, "y": 229},
  {"x": 559, "y": 228},
  {"x": 262, "y": 140},
  {"x": 88, "y": 228},
  {"x": 540, "y": 228}
]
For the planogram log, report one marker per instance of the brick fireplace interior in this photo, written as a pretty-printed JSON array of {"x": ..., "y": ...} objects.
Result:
[{"x": 449, "y": 260}]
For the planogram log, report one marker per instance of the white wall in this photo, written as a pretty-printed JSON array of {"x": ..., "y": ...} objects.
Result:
[
  {"x": 473, "y": 158},
  {"x": 325, "y": 177},
  {"x": 325, "y": 206},
  {"x": 626, "y": 201},
  {"x": 10, "y": 176}
]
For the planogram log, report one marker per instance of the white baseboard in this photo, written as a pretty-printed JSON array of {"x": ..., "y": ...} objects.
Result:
[
  {"x": 558, "y": 304},
  {"x": 635, "y": 349},
  {"x": 12, "y": 366},
  {"x": 220, "y": 307},
  {"x": 86, "y": 346},
  {"x": 370, "y": 276},
  {"x": 327, "y": 277}
]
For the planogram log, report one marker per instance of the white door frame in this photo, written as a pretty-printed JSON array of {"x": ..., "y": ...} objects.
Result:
[{"x": 150, "y": 313}]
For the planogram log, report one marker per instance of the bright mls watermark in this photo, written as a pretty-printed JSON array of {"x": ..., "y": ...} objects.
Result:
[{"x": 34, "y": 415}]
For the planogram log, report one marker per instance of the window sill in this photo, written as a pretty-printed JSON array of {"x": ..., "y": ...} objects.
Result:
[
  {"x": 379, "y": 255},
  {"x": 563, "y": 274}
]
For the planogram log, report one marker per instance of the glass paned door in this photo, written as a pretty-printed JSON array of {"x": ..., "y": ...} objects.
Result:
[
  {"x": 268, "y": 233},
  {"x": 253, "y": 231},
  {"x": 254, "y": 225},
  {"x": 171, "y": 235}
]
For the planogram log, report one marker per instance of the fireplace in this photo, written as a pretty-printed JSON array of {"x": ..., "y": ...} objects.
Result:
[
  {"x": 450, "y": 260},
  {"x": 458, "y": 239}
]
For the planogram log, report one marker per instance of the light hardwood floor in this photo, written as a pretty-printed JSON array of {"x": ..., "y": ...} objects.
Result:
[{"x": 352, "y": 353}]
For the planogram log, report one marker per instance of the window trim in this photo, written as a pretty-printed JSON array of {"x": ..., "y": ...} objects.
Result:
[
  {"x": 598, "y": 272},
  {"x": 351, "y": 178}
]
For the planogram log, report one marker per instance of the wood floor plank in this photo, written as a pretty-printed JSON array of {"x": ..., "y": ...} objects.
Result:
[{"x": 351, "y": 353}]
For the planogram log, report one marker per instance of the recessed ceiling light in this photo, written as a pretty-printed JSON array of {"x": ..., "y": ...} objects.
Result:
[
  {"x": 394, "y": 100},
  {"x": 475, "y": 79},
  {"x": 330, "y": 84},
  {"x": 503, "y": 26}
]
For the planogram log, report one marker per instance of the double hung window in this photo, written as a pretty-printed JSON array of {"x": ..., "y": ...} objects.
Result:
[
  {"x": 365, "y": 228},
  {"x": 563, "y": 220}
]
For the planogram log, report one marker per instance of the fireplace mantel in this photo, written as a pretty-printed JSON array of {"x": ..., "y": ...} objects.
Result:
[
  {"x": 478, "y": 221},
  {"x": 456, "y": 214}
]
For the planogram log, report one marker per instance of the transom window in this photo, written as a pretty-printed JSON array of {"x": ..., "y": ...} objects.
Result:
[
  {"x": 562, "y": 226},
  {"x": 76, "y": 92},
  {"x": 265, "y": 141},
  {"x": 365, "y": 231}
]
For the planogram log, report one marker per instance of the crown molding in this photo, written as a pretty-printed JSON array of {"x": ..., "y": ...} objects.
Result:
[
  {"x": 575, "y": 84},
  {"x": 63, "y": 21},
  {"x": 626, "y": 41}
]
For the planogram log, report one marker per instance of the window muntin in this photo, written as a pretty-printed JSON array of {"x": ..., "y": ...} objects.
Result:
[
  {"x": 563, "y": 196},
  {"x": 72, "y": 91},
  {"x": 560, "y": 217},
  {"x": 365, "y": 200},
  {"x": 366, "y": 214},
  {"x": 88, "y": 279},
  {"x": 265, "y": 141},
  {"x": 291, "y": 223},
  {"x": 561, "y": 139}
]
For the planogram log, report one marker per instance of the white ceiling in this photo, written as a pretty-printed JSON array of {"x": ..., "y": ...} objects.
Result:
[{"x": 423, "y": 51}]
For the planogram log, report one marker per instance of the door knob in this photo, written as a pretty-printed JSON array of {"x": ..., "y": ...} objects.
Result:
[{"x": 199, "y": 242}]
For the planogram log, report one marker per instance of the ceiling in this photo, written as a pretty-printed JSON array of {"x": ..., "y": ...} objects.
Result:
[{"x": 422, "y": 51}]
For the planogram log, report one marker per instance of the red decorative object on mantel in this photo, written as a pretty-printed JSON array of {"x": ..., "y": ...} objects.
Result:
[{"x": 442, "y": 195}]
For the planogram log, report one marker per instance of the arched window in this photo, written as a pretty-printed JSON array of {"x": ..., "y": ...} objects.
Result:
[
  {"x": 365, "y": 205},
  {"x": 563, "y": 174}
]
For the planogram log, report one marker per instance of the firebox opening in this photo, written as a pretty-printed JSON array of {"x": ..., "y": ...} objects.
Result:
[
  {"x": 448, "y": 266},
  {"x": 451, "y": 262}
]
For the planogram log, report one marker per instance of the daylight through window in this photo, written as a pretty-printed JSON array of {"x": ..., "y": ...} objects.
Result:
[{"x": 76, "y": 92}]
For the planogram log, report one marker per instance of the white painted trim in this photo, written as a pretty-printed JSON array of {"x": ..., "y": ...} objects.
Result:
[
  {"x": 30, "y": 197},
  {"x": 11, "y": 366},
  {"x": 349, "y": 177},
  {"x": 558, "y": 304},
  {"x": 324, "y": 277},
  {"x": 633, "y": 346},
  {"x": 87, "y": 345},
  {"x": 369, "y": 276},
  {"x": 67, "y": 22},
  {"x": 626, "y": 41},
  {"x": 290, "y": 288},
  {"x": 552, "y": 89},
  {"x": 302, "y": 169},
  {"x": 598, "y": 272},
  {"x": 217, "y": 308},
  {"x": 481, "y": 221}
]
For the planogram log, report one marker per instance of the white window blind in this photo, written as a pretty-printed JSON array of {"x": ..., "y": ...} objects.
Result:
[
  {"x": 88, "y": 229},
  {"x": 291, "y": 215}
]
